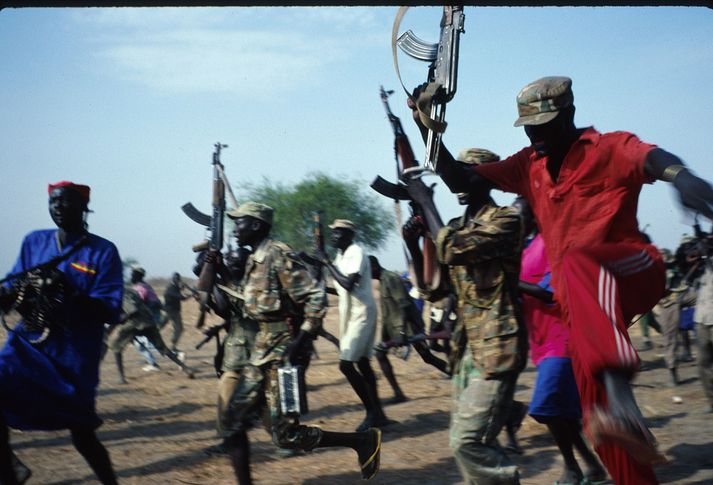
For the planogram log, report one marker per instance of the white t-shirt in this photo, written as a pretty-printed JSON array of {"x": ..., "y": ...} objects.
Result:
[{"x": 357, "y": 308}]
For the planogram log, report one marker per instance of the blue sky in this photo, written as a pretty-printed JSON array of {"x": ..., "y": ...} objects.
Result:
[{"x": 131, "y": 101}]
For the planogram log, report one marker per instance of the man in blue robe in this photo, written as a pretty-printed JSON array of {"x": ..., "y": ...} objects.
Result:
[{"x": 48, "y": 381}]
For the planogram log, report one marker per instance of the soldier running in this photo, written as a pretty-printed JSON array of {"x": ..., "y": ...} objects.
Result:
[{"x": 277, "y": 286}]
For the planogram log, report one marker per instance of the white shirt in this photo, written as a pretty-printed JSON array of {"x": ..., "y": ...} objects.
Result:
[{"x": 357, "y": 308}]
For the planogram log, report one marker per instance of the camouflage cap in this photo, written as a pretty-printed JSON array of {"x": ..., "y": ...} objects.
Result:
[
  {"x": 477, "y": 156},
  {"x": 253, "y": 209},
  {"x": 343, "y": 224},
  {"x": 541, "y": 100}
]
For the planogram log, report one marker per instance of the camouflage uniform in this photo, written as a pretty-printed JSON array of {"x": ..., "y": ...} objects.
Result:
[
  {"x": 142, "y": 323},
  {"x": 237, "y": 349},
  {"x": 489, "y": 340},
  {"x": 276, "y": 286}
]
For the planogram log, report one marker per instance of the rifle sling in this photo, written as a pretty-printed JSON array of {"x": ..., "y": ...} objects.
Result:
[{"x": 424, "y": 101}]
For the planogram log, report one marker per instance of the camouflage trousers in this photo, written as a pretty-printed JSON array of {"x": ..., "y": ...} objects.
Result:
[
  {"x": 256, "y": 396},
  {"x": 479, "y": 411}
]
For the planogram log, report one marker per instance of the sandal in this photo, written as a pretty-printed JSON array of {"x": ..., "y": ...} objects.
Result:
[{"x": 370, "y": 467}]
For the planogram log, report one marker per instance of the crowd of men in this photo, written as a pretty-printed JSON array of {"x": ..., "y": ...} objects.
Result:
[{"x": 561, "y": 275}]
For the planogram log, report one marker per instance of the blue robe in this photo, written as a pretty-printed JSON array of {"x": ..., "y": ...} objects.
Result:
[{"x": 52, "y": 385}]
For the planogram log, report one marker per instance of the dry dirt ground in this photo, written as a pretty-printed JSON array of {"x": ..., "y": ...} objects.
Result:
[{"x": 157, "y": 426}]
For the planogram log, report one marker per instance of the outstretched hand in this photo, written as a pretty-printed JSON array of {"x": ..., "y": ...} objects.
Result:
[{"x": 695, "y": 193}]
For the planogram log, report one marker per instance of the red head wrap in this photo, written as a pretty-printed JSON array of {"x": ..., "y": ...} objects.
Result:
[{"x": 82, "y": 190}]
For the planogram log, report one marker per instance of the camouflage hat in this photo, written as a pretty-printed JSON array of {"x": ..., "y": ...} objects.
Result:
[
  {"x": 253, "y": 209},
  {"x": 477, "y": 156},
  {"x": 541, "y": 100},
  {"x": 343, "y": 224}
]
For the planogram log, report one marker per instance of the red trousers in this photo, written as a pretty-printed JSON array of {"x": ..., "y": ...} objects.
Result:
[{"x": 604, "y": 287}]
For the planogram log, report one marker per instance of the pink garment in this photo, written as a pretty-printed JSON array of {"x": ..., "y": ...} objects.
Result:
[
  {"x": 548, "y": 334},
  {"x": 146, "y": 292}
]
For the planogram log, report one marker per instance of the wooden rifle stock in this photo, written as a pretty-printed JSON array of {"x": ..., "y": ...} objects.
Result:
[{"x": 318, "y": 230}]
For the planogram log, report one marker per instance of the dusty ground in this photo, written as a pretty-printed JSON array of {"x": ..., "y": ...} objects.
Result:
[{"x": 156, "y": 427}]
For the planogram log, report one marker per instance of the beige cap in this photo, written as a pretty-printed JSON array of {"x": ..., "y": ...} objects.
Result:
[
  {"x": 253, "y": 209},
  {"x": 343, "y": 224}
]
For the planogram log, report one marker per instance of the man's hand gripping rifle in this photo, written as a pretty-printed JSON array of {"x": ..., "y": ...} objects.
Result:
[
  {"x": 442, "y": 74},
  {"x": 215, "y": 222}
]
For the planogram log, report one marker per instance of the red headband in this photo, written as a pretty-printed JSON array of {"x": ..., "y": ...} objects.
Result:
[{"x": 82, "y": 190}]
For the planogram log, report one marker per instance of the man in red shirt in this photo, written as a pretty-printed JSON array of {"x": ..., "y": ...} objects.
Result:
[{"x": 583, "y": 187}]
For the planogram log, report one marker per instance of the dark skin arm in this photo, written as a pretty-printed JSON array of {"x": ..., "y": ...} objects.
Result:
[
  {"x": 535, "y": 291},
  {"x": 412, "y": 231},
  {"x": 459, "y": 177},
  {"x": 345, "y": 281},
  {"x": 296, "y": 345},
  {"x": 695, "y": 193}
]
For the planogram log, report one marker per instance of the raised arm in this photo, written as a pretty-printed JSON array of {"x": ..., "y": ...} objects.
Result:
[
  {"x": 695, "y": 193},
  {"x": 457, "y": 176}
]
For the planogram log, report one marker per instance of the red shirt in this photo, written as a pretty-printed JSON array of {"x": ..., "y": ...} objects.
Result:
[{"x": 595, "y": 197}]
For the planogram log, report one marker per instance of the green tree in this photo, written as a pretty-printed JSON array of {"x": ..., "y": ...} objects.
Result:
[{"x": 338, "y": 199}]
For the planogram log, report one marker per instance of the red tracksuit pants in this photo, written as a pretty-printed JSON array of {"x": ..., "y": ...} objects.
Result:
[{"x": 605, "y": 286}]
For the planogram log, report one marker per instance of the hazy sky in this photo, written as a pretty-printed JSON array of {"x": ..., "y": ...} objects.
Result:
[{"x": 131, "y": 101}]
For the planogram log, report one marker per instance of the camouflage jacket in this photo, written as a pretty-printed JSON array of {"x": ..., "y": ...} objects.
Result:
[
  {"x": 240, "y": 340},
  {"x": 483, "y": 259},
  {"x": 277, "y": 286}
]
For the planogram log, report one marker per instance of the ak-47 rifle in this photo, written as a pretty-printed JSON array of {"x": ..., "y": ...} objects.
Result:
[
  {"x": 405, "y": 159},
  {"x": 194, "y": 293},
  {"x": 206, "y": 279},
  {"x": 442, "y": 73}
]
